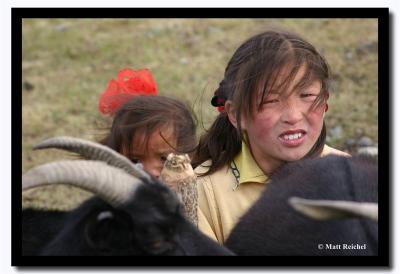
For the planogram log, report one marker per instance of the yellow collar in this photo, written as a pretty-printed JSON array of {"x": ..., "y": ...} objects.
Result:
[
  {"x": 249, "y": 171},
  {"x": 247, "y": 167}
]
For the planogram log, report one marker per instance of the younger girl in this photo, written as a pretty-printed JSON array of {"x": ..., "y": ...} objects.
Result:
[
  {"x": 146, "y": 127},
  {"x": 272, "y": 103}
]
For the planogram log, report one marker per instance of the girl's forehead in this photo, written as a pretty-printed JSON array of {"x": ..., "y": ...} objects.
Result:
[
  {"x": 289, "y": 79},
  {"x": 142, "y": 141},
  {"x": 144, "y": 136},
  {"x": 290, "y": 72}
]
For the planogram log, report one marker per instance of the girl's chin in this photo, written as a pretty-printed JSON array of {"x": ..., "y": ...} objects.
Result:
[{"x": 290, "y": 157}]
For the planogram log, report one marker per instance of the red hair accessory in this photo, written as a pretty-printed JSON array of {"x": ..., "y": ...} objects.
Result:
[
  {"x": 130, "y": 83},
  {"x": 218, "y": 102},
  {"x": 221, "y": 108}
]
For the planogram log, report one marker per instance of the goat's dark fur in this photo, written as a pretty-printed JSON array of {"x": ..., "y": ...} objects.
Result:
[
  {"x": 152, "y": 223},
  {"x": 272, "y": 227}
]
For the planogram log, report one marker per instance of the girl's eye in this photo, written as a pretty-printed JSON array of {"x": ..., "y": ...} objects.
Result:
[
  {"x": 163, "y": 158},
  {"x": 271, "y": 101},
  {"x": 309, "y": 96},
  {"x": 135, "y": 161}
]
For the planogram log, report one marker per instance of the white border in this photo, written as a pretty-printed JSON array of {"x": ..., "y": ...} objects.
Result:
[{"x": 5, "y": 109}]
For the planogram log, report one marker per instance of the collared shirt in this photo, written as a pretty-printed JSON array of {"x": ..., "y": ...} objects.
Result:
[{"x": 228, "y": 193}]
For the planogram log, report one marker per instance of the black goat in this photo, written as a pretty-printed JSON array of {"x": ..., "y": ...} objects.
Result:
[
  {"x": 273, "y": 227},
  {"x": 40, "y": 227},
  {"x": 128, "y": 215},
  {"x": 152, "y": 223},
  {"x": 132, "y": 216}
]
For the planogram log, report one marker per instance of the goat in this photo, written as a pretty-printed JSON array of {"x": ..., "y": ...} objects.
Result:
[
  {"x": 132, "y": 213},
  {"x": 136, "y": 214},
  {"x": 272, "y": 226}
]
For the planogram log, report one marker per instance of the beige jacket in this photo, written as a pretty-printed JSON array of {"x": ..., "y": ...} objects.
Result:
[{"x": 224, "y": 198}]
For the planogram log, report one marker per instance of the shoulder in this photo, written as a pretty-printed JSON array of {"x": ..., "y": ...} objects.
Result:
[
  {"x": 219, "y": 179},
  {"x": 330, "y": 150},
  {"x": 202, "y": 168},
  {"x": 205, "y": 166}
]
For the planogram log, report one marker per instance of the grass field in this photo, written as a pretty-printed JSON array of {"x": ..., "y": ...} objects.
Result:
[{"x": 67, "y": 64}]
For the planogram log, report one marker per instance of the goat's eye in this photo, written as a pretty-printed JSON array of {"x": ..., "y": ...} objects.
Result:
[
  {"x": 101, "y": 230},
  {"x": 105, "y": 215}
]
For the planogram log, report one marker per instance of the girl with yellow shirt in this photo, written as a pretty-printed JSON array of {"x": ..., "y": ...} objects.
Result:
[{"x": 272, "y": 102}]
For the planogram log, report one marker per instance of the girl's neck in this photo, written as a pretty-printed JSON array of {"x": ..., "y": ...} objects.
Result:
[{"x": 267, "y": 165}]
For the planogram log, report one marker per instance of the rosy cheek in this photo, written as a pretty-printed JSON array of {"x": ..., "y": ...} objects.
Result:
[
  {"x": 316, "y": 118},
  {"x": 318, "y": 111},
  {"x": 264, "y": 125}
]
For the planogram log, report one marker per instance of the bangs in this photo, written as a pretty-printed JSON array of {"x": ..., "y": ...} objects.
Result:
[
  {"x": 283, "y": 75},
  {"x": 138, "y": 135},
  {"x": 128, "y": 138}
]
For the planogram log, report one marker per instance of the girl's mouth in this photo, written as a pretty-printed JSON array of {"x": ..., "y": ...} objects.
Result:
[{"x": 292, "y": 138}]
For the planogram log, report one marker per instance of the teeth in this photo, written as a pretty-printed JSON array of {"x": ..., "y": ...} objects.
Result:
[{"x": 292, "y": 136}]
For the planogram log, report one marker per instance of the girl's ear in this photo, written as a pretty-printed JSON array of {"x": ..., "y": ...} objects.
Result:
[
  {"x": 231, "y": 112},
  {"x": 325, "y": 110}
]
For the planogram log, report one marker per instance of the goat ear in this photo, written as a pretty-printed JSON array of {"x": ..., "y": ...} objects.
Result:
[{"x": 109, "y": 231}]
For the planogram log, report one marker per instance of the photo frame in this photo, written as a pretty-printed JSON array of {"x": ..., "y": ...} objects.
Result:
[{"x": 231, "y": 15}]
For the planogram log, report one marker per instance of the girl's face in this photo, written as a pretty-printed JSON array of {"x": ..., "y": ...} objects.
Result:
[
  {"x": 154, "y": 155},
  {"x": 286, "y": 127}
]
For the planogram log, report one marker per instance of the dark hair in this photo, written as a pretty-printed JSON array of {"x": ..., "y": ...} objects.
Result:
[
  {"x": 253, "y": 68},
  {"x": 145, "y": 114}
]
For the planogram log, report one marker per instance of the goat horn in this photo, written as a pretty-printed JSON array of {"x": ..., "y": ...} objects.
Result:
[
  {"x": 110, "y": 183},
  {"x": 327, "y": 209},
  {"x": 93, "y": 151}
]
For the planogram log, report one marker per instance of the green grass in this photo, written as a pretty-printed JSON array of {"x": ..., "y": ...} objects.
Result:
[{"x": 69, "y": 63}]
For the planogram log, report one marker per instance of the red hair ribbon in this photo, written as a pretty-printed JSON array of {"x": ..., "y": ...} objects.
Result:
[
  {"x": 130, "y": 83},
  {"x": 218, "y": 102},
  {"x": 221, "y": 109}
]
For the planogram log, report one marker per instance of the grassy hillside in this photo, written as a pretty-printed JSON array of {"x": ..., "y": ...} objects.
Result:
[{"x": 67, "y": 64}]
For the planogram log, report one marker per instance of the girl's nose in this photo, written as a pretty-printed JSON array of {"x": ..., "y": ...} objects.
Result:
[
  {"x": 292, "y": 113},
  {"x": 154, "y": 170}
]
